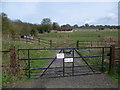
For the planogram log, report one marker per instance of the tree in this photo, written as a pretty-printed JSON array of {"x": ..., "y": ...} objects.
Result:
[
  {"x": 46, "y": 24},
  {"x": 4, "y": 15},
  {"x": 17, "y": 27},
  {"x": 92, "y": 26},
  {"x": 33, "y": 32},
  {"x": 40, "y": 29},
  {"x": 86, "y": 25},
  {"x": 5, "y": 23},
  {"x": 75, "y": 26},
  {"x": 26, "y": 29},
  {"x": 67, "y": 26},
  {"x": 46, "y": 21},
  {"x": 55, "y": 26}
]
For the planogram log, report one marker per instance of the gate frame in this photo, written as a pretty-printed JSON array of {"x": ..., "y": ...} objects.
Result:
[{"x": 62, "y": 49}]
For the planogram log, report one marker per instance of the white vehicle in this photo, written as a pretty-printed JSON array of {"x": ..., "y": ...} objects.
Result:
[{"x": 27, "y": 37}]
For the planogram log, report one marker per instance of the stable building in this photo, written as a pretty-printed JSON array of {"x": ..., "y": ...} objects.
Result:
[{"x": 64, "y": 30}]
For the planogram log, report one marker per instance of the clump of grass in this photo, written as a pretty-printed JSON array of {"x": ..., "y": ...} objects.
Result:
[{"x": 116, "y": 73}]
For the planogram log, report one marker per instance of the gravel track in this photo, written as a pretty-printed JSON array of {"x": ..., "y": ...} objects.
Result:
[{"x": 82, "y": 81}]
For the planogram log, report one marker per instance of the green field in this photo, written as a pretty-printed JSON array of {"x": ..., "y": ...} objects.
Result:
[
  {"x": 58, "y": 39},
  {"x": 80, "y": 35},
  {"x": 85, "y": 35}
]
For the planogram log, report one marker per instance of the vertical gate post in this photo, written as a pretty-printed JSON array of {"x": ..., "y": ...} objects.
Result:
[
  {"x": 103, "y": 59},
  {"x": 112, "y": 56},
  {"x": 73, "y": 62},
  {"x": 63, "y": 66},
  {"x": 77, "y": 44},
  {"x": 28, "y": 63},
  {"x": 12, "y": 59}
]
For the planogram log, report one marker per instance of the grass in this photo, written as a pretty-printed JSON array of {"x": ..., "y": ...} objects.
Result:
[
  {"x": 81, "y": 35},
  {"x": 94, "y": 61},
  {"x": 115, "y": 74},
  {"x": 7, "y": 77},
  {"x": 58, "y": 40},
  {"x": 86, "y": 35}
]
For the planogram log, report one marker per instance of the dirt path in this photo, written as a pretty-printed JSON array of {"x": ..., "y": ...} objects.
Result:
[
  {"x": 86, "y": 81},
  {"x": 81, "y": 81}
]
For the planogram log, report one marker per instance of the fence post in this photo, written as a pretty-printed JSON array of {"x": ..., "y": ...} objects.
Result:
[
  {"x": 91, "y": 43},
  {"x": 50, "y": 43},
  {"x": 77, "y": 44},
  {"x": 105, "y": 43},
  {"x": 12, "y": 59},
  {"x": 98, "y": 43},
  {"x": 112, "y": 56},
  {"x": 101, "y": 43},
  {"x": 38, "y": 41}
]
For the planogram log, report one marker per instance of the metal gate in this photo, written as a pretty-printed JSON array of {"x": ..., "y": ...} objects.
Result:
[{"x": 67, "y": 61}]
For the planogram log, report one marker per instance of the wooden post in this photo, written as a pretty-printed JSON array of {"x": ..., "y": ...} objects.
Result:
[
  {"x": 68, "y": 35},
  {"x": 12, "y": 59},
  {"x": 91, "y": 43},
  {"x": 112, "y": 56},
  {"x": 101, "y": 43},
  {"x": 50, "y": 43},
  {"x": 77, "y": 44},
  {"x": 38, "y": 41},
  {"x": 97, "y": 43},
  {"x": 105, "y": 43}
]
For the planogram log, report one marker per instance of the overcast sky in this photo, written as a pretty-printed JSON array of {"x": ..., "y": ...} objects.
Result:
[{"x": 63, "y": 12}]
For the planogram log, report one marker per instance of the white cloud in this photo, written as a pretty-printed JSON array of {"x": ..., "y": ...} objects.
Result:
[
  {"x": 111, "y": 18},
  {"x": 89, "y": 21},
  {"x": 112, "y": 15}
]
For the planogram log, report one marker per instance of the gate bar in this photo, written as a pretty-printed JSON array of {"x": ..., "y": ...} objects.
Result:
[
  {"x": 62, "y": 67},
  {"x": 84, "y": 60},
  {"x": 69, "y": 75},
  {"x": 49, "y": 65},
  {"x": 63, "y": 48},
  {"x": 66, "y": 57}
]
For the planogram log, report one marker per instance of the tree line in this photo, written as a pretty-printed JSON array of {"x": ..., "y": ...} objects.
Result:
[{"x": 17, "y": 27}]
